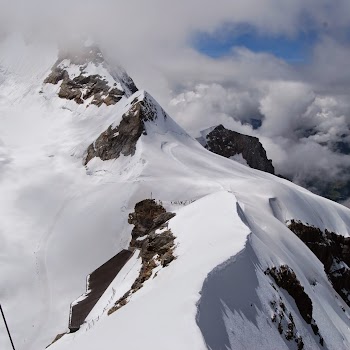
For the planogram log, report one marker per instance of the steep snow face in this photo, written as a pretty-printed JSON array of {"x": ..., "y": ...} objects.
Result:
[
  {"x": 242, "y": 307},
  {"x": 61, "y": 220},
  {"x": 239, "y": 158},
  {"x": 121, "y": 139}
]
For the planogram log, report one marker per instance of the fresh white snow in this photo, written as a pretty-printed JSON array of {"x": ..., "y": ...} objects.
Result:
[
  {"x": 239, "y": 158},
  {"x": 60, "y": 221}
]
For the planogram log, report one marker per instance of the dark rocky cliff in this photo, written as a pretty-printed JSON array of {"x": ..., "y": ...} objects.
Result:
[
  {"x": 86, "y": 85},
  {"x": 228, "y": 143},
  {"x": 122, "y": 139},
  {"x": 332, "y": 250}
]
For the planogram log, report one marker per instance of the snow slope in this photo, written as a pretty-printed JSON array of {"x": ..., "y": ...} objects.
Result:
[{"x": 61, "y": 220}]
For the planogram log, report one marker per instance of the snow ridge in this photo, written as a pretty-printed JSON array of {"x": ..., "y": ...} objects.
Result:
[{"x": 61, "y": 219}]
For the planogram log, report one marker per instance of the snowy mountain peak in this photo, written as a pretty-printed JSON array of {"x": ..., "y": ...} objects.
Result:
[
  {"x": 85, "y": 77},
  {"x": 142, "y": 114}
]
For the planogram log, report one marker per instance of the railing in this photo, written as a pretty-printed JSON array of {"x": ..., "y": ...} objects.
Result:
[{"x": 7, "y": 328}]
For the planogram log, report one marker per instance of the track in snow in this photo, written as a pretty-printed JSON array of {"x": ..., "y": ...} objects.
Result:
[{"x": 42, "y": 274}]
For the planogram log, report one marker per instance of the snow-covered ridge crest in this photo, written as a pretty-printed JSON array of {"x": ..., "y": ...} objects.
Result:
[{"x": 175, "y": 288}]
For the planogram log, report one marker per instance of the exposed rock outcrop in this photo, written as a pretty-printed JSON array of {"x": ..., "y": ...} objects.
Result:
[
  {"x": 84, "y": 86},
  {"x": 284, "y": 321},
  {"x": 155, "y": 243},
  {"x": 285, "y": 278},
  {"x": 147, "y": 216},
  {"x": 228, "y": 143},
  {"x": 153, "y": 239},
  {"x": 122, "y": 139},
  {"x": 332, "y": 250}
]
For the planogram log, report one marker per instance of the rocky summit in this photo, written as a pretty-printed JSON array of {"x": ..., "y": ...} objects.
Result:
[
  {"x": 229, "y": 143},
  {"x": 84, "y": 75}
]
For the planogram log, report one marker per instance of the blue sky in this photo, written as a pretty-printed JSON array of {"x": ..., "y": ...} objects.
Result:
[{"x": 291, "y": 49}]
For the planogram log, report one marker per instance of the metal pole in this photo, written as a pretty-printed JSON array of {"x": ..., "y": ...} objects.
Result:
[{"x": 7, "y": 328}]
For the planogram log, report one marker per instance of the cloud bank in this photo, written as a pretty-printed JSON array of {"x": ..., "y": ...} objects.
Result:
[{"x": 303, "y": 107}]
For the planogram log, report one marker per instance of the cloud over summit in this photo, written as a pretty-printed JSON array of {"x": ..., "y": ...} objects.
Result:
[{"x": 303, "y": 106}]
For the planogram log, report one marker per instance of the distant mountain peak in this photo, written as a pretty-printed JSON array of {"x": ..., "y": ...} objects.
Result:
[
  {"x": 85, "y": 77},
  {"x": 81, "y": 55},
  {"x": 122, "y": 138},
  {"x": 230, "y": 144}
]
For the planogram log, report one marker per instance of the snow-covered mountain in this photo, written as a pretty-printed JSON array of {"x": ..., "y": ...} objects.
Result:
[{"x": 215, "y": 259}]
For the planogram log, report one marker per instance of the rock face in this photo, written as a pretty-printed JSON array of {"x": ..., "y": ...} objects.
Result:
[
  {"x": 284, "y": 320},
  {"x": 154, "y": 241},
  {"x": 85, "y": 85},
  {"x": 122, "y": 139},
  {"x": 228, "y": 143},
  {"x": 285, "y": 278},
  {"x": 332, "y": 250},
  {"x": 147, "y": 214},
  {"x": 147, "y": 219},
  {"x": 152, "y": 237}
]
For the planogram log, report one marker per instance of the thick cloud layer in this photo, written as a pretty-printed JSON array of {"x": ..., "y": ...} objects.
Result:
[
  {"x": 304, "y": 107},
  {"x": 301, "y": 129}
]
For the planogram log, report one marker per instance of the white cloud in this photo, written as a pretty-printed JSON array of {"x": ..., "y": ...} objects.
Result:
[
  {"x": 299, "y": 125},
  {"x": 303, "y": 107},
  {"x": 284, "y": 104}
]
